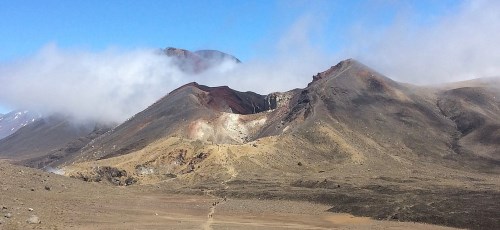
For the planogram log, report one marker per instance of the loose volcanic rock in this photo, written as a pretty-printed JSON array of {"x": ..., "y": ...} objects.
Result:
[{"x": 33, "y": 220}]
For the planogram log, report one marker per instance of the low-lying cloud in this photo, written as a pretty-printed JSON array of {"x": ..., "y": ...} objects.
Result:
[
  {"x": 112, "y": 85},
  {"x": 108, "y": 86}
]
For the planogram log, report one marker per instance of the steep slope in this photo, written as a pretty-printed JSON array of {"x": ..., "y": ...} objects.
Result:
[
  {"x": 41, "y": 137},
  {"x": 11, "y": 122},
  {"x": 348, "y": 112},
  {"x": 476, "y": 113},
  {"x": 381, "y": 116},
  {"x": 192, "y": 111},
  {"x": 54, "y": 140},
  {"x": 353, "y": 139},
  {"x": 65, "y": 151}
]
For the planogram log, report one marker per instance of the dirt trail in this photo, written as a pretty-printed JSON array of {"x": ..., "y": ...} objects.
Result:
[
  {"x": 210, "y": 217},
  {"x": 208, "y": 224},
  {"x": 226, "y": 161}
]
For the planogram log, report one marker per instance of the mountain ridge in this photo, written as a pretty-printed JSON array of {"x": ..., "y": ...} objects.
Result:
[
  {"x": 12, "y": 121},
  {"x": 352, "y": 138},
  {"x": 338, "y": 94},
  {"x": 59, "y": 149}
]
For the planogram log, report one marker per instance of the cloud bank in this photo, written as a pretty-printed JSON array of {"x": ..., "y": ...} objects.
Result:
[
  {"x": 112, "y": 85},
  {"x": 108, "y": 86},
  {"x": 459, "y": 45}
]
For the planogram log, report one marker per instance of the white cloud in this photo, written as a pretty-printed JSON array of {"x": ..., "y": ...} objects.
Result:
[
  {"x": 104, "y": 86},
  {"x": 112, "y": 85},
  {"x": 294, "y": 60},
  {"x": 461, "y": 44}
]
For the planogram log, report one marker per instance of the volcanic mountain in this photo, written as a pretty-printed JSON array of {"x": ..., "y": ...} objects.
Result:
[
  {"x": 192, "y": 111},
  {"x": 47, "y": 137},
  {"x": 353, "y": 139},
  {"x": 54, "y": 138},
  {"x": 198, "y": 61},
  {"x": 365, "y": 111},
  {"x": 11, "y": 122}
]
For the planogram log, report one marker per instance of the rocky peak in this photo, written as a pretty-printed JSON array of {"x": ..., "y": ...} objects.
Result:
[
  {"x": 176, "y": 52},
  {"x": 198, "y": 61},
  {"x": 334, "y": 70},
  {"x": 278, "y": 99}
]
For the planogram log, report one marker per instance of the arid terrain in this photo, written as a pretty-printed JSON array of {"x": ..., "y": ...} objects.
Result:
[
  {"x": 64, "y": 203},
  {"x": 353, "y": 142}
]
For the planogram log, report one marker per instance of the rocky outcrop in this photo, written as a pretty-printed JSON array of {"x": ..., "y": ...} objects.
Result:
[
  {"x": 278, "y": 99},
  {"x": 109, "y": 174}
]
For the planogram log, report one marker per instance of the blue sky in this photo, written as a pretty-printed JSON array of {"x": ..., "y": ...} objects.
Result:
[
  {"x": 238, "y": 27},
  {"x": 247, "y": 29}
]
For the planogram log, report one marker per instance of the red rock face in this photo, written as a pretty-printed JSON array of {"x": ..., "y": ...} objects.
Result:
[
  {"x": 227, "y": 100},
  {"x": 347, "y": 99}
]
